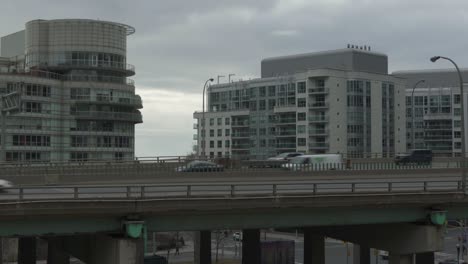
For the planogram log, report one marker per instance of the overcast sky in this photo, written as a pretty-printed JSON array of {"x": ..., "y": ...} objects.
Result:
[{"x": 179, "y": 44}]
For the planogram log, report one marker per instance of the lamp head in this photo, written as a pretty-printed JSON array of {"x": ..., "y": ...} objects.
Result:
[
  {"x": 211, "y": 79},
  {"x": 435, "y": 58}
]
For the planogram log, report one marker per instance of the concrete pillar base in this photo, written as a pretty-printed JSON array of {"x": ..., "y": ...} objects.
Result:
[
  {"x": 55, "y": 255},
  {"x": 314, "y": 248},
  {"x": 361, "y": 254},
  {"x": 27, "y": 250},
  {"x": 423, "y": 258},
  {"x": 251, "y": 246},
  {"x": 401, "y": 259},
  {"x": 202, "y": 247}
]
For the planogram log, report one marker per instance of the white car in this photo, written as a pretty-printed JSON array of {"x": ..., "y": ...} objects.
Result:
[{"x": 5, "y": 184}]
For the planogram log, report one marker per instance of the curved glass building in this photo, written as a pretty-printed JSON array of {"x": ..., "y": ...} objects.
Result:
[{"x": 65, "y": 92}]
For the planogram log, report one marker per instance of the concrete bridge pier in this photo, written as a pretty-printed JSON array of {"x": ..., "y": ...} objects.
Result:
[
  {"x": 314, "y": 247},
  {"x": 251, "y": 246},
  {"x": 401, "y": 259},
  {"x": 56, "y": 255},
  {"x": 203, "y": 247},
  {"x": 27, "y": 250},
  {"x": 423, "y": 258},
  {"x": 361, "y": 254}
]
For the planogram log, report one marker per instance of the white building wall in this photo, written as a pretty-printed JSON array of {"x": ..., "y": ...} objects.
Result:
[{"x": 337, "y": 114}]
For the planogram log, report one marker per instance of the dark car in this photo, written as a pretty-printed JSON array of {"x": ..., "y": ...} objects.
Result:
[
  {"x": 417, "y": 156},
  {"x": 200, "y": 166}
]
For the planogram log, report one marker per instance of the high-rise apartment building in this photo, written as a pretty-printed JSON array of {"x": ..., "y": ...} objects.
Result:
[
  {"x": 341, "y": 101},
  {"x": 65, "y": 92},
  {"x": 433, "y": 110}
]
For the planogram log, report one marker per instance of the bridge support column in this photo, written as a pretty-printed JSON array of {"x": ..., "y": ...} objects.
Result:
[
  {"x": 55, "y": 254},
  {"x": 361, "y": 254},
  {"x": 203, "y": 247},
  {"x": 401, "y": 259},
  {"x": 423, "y": 258},
  {"x": 251, "y": 246},
  {"x": 314, "y": 248},
  {"x": 27, "y": 250}
]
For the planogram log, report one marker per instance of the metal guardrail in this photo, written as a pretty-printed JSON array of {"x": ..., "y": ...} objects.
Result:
[{"x": 227, "y": 191}]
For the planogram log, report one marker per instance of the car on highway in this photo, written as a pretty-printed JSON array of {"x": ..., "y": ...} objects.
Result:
[
  {"x": 416, "y": 156},
  {"x": 200, "y": 166},
  {"x": 315, "y": 162},
  {"x": 286, "y": 156},
  {"x": 4, "y": 184}
]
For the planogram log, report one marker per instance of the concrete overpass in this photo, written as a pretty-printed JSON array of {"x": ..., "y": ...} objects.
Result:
[{"x": 107, "y": 223}]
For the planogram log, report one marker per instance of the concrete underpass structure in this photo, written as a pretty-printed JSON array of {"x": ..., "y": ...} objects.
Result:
[{"x": 113, "y": 230}]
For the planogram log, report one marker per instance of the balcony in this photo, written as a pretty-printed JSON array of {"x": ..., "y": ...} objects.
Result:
[
  {"x": 57, "y": 65},
  {"x": 195, "y": 126},
  {"x": 91, "y": 78},
  {"x": 240, "y": 135},
  {"x": 439, "y": 116},
  {"x": 105, "y": 99},
  {"x": 195, "y": 136},
  {"x": 318, "y": 145},
  {"x": 285, "y": 109},
  {"x": 240, "y": 146},
  {"x": 286, "y": 133},
  {"x": 318, "y": 132},
  {"x": 132, "y": 117},
  {"x": 286, "y": 146},
  {"x": 244, "y": 123},
  {"x": 318, "y": 90},
  {"x": 318, "y": 105},
  {"x": 283, "y": 121},
  {"x": 318, "y": 119}
]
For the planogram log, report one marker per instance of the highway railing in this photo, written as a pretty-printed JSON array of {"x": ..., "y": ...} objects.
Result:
[{"x": 228, "y": 191}]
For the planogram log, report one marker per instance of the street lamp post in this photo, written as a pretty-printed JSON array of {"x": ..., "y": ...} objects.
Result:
[
  {"x": 412, "y": 112},
  {"x": 203, "y": 119},
  {"x": 434, "y": 59}
]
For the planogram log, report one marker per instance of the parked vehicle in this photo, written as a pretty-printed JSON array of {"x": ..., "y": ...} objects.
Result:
[
  {"x": 237, "y": 236},
  {"x": 5, "y": 184},
  {"x": 315, "y": 162},
  {"x": 286, "y": 156},
  {"x": 417, "y": 156},
  {"x": 200, "y": 166}
]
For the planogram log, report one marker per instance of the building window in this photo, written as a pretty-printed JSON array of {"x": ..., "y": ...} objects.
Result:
[
  {"x": 220, "y": 132},
  {"x": 301, "y": 87},
  {"x": 227, "y": 132},
  {"x": 456, "y": 111},
  {"x": 301, "y": 142},
  {"x": 271, "y": 90},
  {"x": 32, "y": 107},
  {"x": 78, "y": 156},
  {"x": 220, "y": 154},
  {"x": 301, "y": 116},
  {"x": 211, "y": 143},
  {"x": 211, "y": 154},
  {"x": 262, "y": 143},
  {"x": 301, "y": 102},
  {"x": 456, "y": 99},
  {"x": 262, "y": 131},
  {"x": 122, "y": 142},
  {"x": 261, "y": 105},
  {"x": 37, "y": 90},
  {"x": 457, "y": 145},
  {"x": 220, "y": 121},
  {"x": 262, "y": 92},
  {"x": 301, "y": 129},
  {"x": 211, "y": 132},
  {"x": 79, "y": 141},
  {"x": 211, "y": 121},
  {"x": 227, "y": 143},
  {"x": 104, "y": 142},
  {"x": 457, "y": 134},
  {"x": 227, "y": 121},
  {"x": 118, "y": 155},
  {"x": 31, "y": 140},
  {"x": 457, "y": 123},
  {"x": 220, "y": 143}
]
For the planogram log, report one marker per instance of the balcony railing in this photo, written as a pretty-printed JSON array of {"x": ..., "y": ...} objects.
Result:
[
  {"x": 318, "y": 119},
  {"x": 240, "y": 146},
  {"x": 286, "y": 133},
  {"x": 83, "y": 63},
  {"x": 318, "y": 90},
  {"x": 318, "y": 145},
  {"x": 318, "y": 132},
  {"x": 135, "y": 117},
  {"x": 107, "y": 99},
  {"x": 240, "y": 123},
  {"x": 319, "y": 105},
  {"x": 286, "y": 146},
  {"x": 240, "y": 135}
]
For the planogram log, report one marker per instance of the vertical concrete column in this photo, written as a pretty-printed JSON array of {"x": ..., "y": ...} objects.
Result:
[
  {"x": 203, "y": 247},
  {"x": 400, "y": 259},
  {"x": 251, "y": 246},
  {"x": 423, "y": 258},
  {"x": 361, "y": 254},
  {"x": 27, "y": 250},
  {"x": 314, "y": 248},
  {"x": 56, "y": 255}
]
